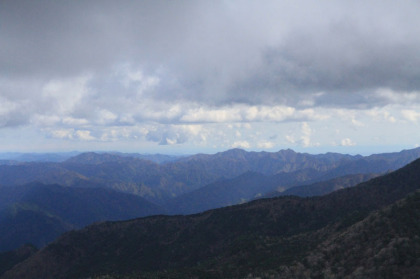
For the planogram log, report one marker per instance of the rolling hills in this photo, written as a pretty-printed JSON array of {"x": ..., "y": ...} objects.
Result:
[{"x": 285, "y": 235}]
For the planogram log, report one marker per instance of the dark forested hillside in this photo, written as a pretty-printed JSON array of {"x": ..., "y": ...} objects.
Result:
[
  {"x": 386, "y": 244},
  {"x": 267, "y": 236},
  {"x": 11, "y": 258},
  {"x": 37, "y": 213}
]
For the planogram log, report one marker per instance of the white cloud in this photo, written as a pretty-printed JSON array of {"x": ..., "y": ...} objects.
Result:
[
  {"x": 265, "y": 144},
  {"x": 62, "y": 133},
  {"x": 247, "y": 113},
  {"x": 356, "y": 123},
  {"x": 381, "y": 114},
  {"x": 241, "y": 144},
  {"x": 106, "y": 117},
  {"x": 176, "y": 134},
  {"x": 306, "y": 134},
  {"x": 347, "y": 142},
  {"x": 201, "y": 114},
  {"x": 84, "y": 135},
  {"x": 411, "y": 115},
  {"x": 70, "y": 121},
  {"x": 72, "y": 134},
  {"x": 290, "y": 139},
  {"x": 64, "y": 95},
  {"x": 265, "y": 113}
]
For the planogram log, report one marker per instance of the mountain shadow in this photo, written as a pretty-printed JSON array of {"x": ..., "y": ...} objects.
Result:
[{"x": 37, "y": 213}]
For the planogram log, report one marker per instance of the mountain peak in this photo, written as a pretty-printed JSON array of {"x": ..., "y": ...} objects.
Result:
[{"x": 234, "y": 151}]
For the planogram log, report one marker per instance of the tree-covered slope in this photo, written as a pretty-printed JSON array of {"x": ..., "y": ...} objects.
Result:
[
  {"x": 386, "y": 244},
  {"x": 38, "y": 213},
  {"x": 224, "y": 243},
  {"x": 11, "y": 258}
]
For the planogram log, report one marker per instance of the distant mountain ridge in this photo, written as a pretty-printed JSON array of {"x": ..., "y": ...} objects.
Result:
[
  {"x": 240, "y": 189},
  {"x": 261, "y": 237},
  {"x": 16, "y": 157},
  {"x": 36, "y": 157},
  {"x": 323, "y": 187},
  {"x": 161, "y": 182}
]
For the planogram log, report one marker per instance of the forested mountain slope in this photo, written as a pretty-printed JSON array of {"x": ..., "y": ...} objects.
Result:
[
  {"x": 37, "y": 213},
  {"x": 261, "y": 236}
]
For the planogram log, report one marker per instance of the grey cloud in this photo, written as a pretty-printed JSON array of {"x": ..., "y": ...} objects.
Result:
[
  {"x": 167, "y": 136},
  {"x": 215, "y": 52},
  {"x": 56, "y": 38},
  {"x": 347, "y": 60}
]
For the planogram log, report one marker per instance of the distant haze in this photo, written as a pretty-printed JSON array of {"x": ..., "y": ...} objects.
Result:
[{"x": 180, "y": 77}]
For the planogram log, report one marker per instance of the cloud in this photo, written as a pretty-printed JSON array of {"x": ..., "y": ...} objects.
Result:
[
  {"x": 265, "y": 144},
  {"x": 212, "y": 115},
  {"x": 411, "y": 115},
  {"x": 241, "y": 144},
  {"x": 72, "y": 134},
  {"x": 290, "y": 139},
  {"x": 347, "y": 142},
  {"x": 84, "y": 135},
  {"x": 379, "y": 114},
  {"x": 221, "y": 52},
  {"x": 306, "y": 134},
  {"x": 175, "y": 134},
  {"x": 62, "y": 133},
  {"x": 246, "y": 113},
  {"x": 178, "y": 73}
]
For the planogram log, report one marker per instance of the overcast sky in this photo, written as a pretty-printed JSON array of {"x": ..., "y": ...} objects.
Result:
[{"x": 206, "y": 76}]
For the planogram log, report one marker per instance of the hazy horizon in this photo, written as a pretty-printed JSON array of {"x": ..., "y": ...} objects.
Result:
[{"x": 366, "y": 151}]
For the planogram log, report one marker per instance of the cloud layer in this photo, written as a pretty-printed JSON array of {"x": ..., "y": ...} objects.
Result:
[{"x": 184, "y": 72}]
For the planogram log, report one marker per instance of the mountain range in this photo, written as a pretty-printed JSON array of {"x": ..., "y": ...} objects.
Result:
[
  {"x": 366, "y": 231},
  {"x": 41, "y": 200},
  {"x": 159, "y": 183}
]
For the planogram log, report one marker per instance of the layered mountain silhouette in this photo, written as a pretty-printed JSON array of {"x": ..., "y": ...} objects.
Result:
[
  {"x": 179, "y": 185},
  {"x": 369, "y": 230},
  {"x": 37, "y": 213},
  {"x": 161, "y": 182},
  {"x": 323, "y": 187}
]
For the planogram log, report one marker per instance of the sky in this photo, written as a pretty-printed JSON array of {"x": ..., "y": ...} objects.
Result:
[{"x": 182, "y": 77}]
